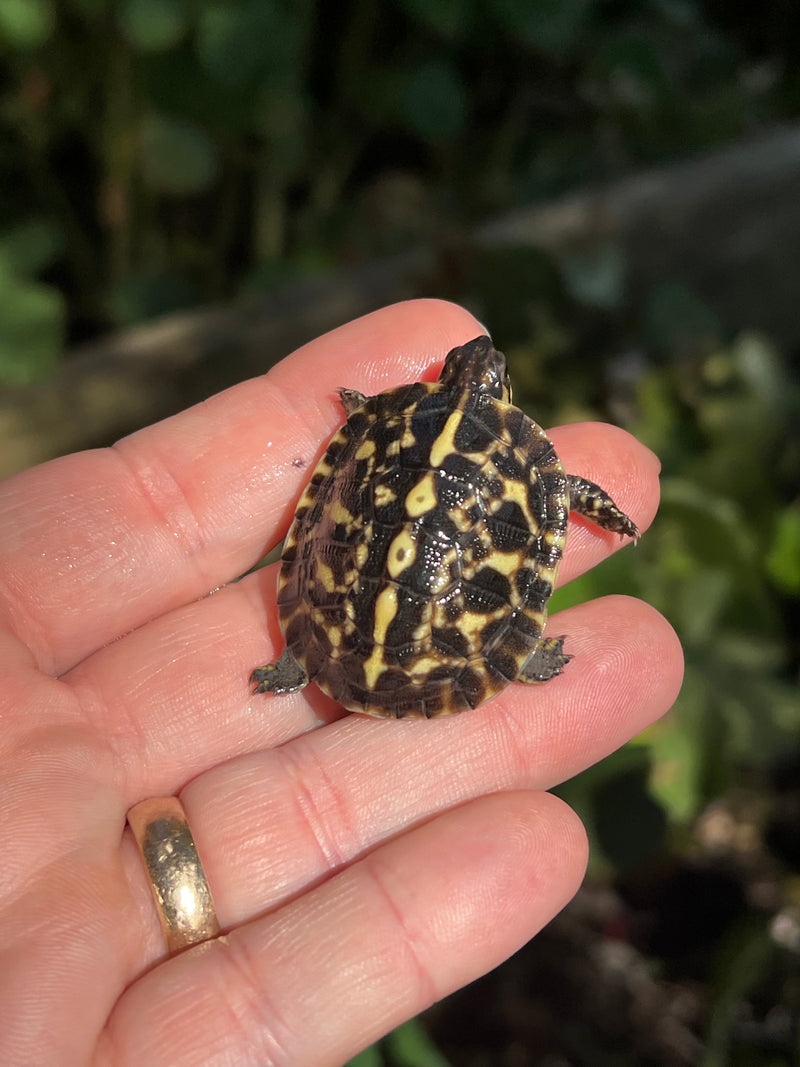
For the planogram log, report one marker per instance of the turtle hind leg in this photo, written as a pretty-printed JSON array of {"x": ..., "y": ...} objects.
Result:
[
  {"x": 285, "y": 676},
  {"x": 546, "y": 661},
  {"x": 595, "y": 504}
]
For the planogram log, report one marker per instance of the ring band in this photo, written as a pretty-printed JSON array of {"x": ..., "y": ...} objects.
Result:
[{"x": 177, "y": 880}]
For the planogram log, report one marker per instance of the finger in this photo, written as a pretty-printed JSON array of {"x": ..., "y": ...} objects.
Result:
[
  {"x": 340, "y": 966},
  {"x": 97, "y": 543},
  {"x": 272, "y": 822}
]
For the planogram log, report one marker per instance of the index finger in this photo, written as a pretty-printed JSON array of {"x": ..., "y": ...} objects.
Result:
[{"x": 95, "y": 544}]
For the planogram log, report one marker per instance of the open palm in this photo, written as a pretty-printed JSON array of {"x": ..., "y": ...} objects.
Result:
[{"x": 361, "y": 868}]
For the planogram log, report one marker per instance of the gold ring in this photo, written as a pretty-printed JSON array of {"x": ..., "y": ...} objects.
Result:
[{"x": 177, "y": 880}]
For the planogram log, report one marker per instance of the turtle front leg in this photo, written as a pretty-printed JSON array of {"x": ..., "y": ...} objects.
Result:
[
  {"x": 595, "y": 504},
  {"x": 546, "y": 661},
  {"x": 351, "y": 400},
  {"x": 285, "y": 676}
]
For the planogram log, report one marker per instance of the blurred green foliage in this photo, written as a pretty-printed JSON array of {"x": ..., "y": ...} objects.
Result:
[
  {"x": 721, "y": 564},
  {"x": 407, "y": 1046},
  {"x": 163, "y": 153}
]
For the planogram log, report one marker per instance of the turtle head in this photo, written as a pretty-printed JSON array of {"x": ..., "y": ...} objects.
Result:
[{"x": 477, "y": 366}]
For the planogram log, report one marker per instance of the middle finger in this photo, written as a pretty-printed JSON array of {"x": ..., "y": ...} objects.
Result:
[{"x": 270, "y": 823}]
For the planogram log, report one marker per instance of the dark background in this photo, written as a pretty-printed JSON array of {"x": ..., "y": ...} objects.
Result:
[{"x": 192, "y": 188}]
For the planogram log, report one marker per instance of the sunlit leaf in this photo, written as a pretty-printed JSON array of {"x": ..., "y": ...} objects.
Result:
[
  {"x": 783, "y": 560},
  {"x": 31, "y": 330},
  {"x": 676, "y": 751},
  {"x": 26, "y": 23},
  {"x": 762, "y": 370}
]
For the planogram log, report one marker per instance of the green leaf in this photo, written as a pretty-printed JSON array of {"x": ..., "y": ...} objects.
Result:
[
  {"x": 783, "y": 560},
  {"x": 370, "y": 1057},
  {"x": 31, "y": 330},
  {"x": 177, "y": 157},
  {"x": 677, "y": 757},
  {"x": 30, "y": 246},
  {"x": 433, "y": 101},
  {"x": 26, "y": 23},
  {"x": 410, "y": 1046},
  {"x": 153, "y": 25}
]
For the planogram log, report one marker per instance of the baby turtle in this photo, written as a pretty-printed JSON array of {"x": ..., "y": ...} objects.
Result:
[{"x": 416, "y": 576}]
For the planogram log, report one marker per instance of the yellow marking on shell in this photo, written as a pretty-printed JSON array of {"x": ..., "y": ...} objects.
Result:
[
  {"x": 366, "y": 449},
  {"x": 306, "y": 500},
  {"x": 362, "y": 555},
  {"x": 461, "y": 517},
  {"x": 422, "y": 667},
  {"x": 507, "y": 563},
  {"x": 402, "y": 553},
  {"x": 326, "y": 576},
  {"x": 340, "y": 514},
  {"x": 518, "y": 492},
  {"x": 472, "y": 624},
  {"x": 551, "y": 537},
  {"x": 393, "y": 448},
  {"x": 384, "y": 495},
  {"x": 422, "y": 497},
  {"x": 385, "y": 611},
  {"x": 407, "y": 439},
  {"x": 445, "y": 443}
]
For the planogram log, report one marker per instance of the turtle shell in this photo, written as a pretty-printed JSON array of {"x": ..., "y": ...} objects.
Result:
[{"x": 416, "y": 575}]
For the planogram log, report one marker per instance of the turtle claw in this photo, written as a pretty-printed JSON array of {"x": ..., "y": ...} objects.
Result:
[
  {"x": 546, "y": 661},
  {"x": 285, "y": 676}
]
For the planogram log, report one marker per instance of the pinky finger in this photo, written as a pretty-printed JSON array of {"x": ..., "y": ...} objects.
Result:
[{"x": 331, "y": 972}]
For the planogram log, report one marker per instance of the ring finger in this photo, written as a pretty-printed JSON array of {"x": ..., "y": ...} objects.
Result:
[{"x": 270, "y": 823}]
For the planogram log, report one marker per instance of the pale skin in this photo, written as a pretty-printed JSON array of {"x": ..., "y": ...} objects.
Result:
[{"x": 361, "y": 868}]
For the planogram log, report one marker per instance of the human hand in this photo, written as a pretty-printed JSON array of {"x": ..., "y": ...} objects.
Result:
[{"x": 361, "y": 868}]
